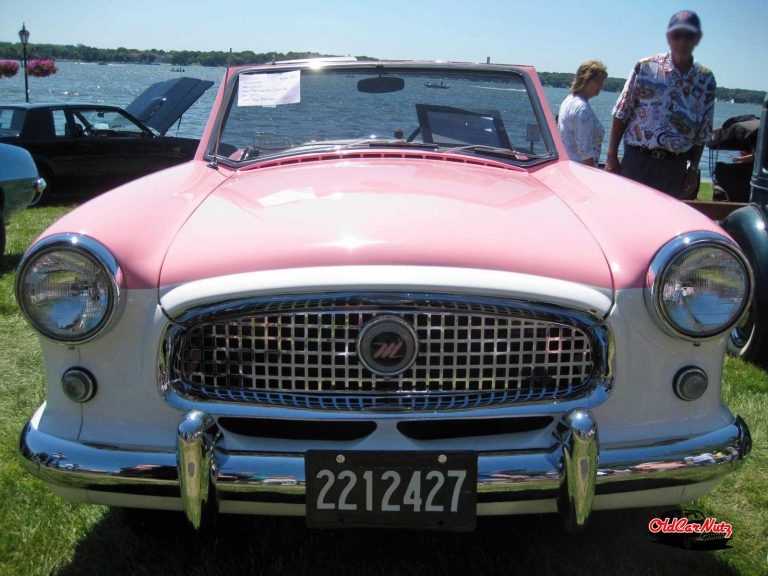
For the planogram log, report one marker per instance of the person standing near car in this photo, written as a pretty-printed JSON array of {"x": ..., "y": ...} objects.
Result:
[
  {"x": 664, "y": 114},
  {"x": 579, "y": 128}
]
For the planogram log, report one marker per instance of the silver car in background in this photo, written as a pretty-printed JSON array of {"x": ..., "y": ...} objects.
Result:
[{"x": 20, "y": 185}]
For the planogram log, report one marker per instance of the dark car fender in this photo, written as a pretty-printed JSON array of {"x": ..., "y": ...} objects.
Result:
[{"x": 747, "y": 226}]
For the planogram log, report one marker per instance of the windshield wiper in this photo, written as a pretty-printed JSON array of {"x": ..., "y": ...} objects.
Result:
[{"x": 494, "y": 151}]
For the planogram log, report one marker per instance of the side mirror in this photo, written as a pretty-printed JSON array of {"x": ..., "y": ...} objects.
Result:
[{"x": 380, "y": 85}]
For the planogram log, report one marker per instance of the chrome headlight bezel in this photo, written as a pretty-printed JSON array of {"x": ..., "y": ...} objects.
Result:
[
  {"x": 663, "y": 261},
  {"x": 94, "y": 251}
]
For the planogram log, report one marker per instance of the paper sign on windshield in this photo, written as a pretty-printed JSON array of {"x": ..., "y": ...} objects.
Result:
[{"x": 269, "y": 89}]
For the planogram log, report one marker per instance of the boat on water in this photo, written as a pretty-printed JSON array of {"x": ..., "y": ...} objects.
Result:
[
  {"x": 179, "y": 69},
  {"x": 440, "y": 84}
]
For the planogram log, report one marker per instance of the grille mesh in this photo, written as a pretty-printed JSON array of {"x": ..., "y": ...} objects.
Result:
[{"x": 309, "y": 357}]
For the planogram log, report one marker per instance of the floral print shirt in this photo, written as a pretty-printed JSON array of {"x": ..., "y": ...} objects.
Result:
[{"x": 667, "y": 109}]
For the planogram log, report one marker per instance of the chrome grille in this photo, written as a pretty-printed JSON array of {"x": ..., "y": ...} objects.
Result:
[{"x": 304, "y": 353}]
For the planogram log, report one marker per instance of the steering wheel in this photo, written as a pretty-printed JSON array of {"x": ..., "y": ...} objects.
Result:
[
  {"x": 249, "y": 153},
  {"x": 413, "y": 134}
]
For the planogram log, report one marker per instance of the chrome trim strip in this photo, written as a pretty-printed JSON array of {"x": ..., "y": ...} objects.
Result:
[
  {"x": 91, "y": 248},
  {"x": 345, "y": 407},
  {"x": 177, "y": 392},
  {"x": 665, "y": 256},
  {"x": 518, "y": 475}
]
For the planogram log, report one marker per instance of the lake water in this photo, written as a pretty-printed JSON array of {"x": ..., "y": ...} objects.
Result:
[{"x": 118, "y": 85}]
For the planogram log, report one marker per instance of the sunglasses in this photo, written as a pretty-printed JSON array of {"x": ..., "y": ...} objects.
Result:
[{"x": 690, "y": 36}]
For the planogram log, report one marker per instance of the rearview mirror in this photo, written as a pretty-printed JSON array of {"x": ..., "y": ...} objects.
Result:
[{"x": 380, "y": 85}]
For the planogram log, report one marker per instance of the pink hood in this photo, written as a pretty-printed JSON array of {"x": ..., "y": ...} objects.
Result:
[
  {"x": 562, "y": 221},
  {"x": 391, "y": 211}
]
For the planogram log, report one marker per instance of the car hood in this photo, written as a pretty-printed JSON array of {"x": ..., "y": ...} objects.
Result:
[
  {"x": 160, "y": 105},
  {"x": 387, "y": 212}
]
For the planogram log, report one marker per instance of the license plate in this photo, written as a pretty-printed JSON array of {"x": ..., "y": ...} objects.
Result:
[{"x": 436, "y": 490}]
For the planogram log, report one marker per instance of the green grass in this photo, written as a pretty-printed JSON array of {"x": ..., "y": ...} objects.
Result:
[{"x": 42, "y": 534}]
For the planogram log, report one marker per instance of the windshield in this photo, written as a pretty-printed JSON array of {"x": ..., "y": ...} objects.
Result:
[
  {"x": 106, "y": 122},
  {"x": 288, "y": 112}
]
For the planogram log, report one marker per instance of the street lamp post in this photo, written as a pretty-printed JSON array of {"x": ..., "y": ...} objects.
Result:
[{"x": 24, "y": 37}]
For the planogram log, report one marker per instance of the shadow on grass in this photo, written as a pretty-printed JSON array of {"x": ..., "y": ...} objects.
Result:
[
  {"x": 67, "y": 197},
  {"x": 615, "y": 542},
  {"x": 9, "y": 263},
  {"x": 10, "y": 260}
]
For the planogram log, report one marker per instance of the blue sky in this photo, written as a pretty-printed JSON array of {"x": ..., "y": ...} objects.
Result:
[{"x": 554, "y": 36}]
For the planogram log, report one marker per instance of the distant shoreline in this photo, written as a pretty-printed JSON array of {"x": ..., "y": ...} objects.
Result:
[
  {"x": 181, "y": 58},
  {"x": 732, "y": 95}
]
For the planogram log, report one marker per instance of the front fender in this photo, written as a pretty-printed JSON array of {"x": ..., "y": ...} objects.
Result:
[{"x": 748, "y": 227}]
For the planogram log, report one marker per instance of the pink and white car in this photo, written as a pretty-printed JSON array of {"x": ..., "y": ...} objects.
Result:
[{"x": 381, "y": 295}]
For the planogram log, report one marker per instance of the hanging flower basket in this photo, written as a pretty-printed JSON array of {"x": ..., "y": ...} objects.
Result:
[
  {"x": 8, "y": 68},
  {"x": 41, "y": 68}
]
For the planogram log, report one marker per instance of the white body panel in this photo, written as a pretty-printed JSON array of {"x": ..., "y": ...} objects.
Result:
[{"x": 129, "y": 410}]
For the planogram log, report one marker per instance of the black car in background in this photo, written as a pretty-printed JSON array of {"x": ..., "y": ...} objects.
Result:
[{"x": 94, "y": 147}]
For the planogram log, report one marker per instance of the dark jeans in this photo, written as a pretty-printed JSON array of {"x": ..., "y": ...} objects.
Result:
[{"x": 665, "y": 174}]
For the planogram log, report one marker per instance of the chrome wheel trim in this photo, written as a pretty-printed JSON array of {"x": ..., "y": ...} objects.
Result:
[{"x": 742, "y": 335}]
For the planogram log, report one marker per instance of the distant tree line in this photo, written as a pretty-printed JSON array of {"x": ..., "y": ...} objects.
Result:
[
  {"x": 82, "y": 53},
  {"x": 564, "y": 80}
]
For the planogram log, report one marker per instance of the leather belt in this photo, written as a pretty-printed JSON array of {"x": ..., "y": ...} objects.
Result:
[{"x": 658, "y": 153}]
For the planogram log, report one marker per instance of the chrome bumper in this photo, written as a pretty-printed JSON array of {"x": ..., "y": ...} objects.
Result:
[{"x": 203, "y": 474}]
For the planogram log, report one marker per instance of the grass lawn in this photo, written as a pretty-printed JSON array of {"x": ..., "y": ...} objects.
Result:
[{"x": 42, "y": 534}]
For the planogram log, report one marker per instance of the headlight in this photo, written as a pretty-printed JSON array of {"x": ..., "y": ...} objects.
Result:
[
  {"x": 698, "y": 285},
  {"x": 68, "y": 287}
]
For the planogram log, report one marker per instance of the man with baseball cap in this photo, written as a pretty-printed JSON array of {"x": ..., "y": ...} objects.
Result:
[{"x": 664, "y": 114}]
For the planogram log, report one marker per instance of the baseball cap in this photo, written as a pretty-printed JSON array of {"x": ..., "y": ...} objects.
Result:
[{"x": 685, "y": 20}]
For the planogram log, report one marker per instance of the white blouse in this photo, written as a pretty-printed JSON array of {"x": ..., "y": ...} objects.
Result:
[{"x": 580, "y": 129}]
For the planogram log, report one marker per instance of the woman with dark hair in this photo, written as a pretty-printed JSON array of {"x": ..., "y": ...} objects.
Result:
[{"x": 579, "y": 128}]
